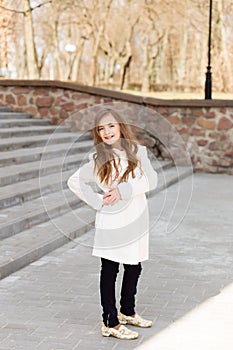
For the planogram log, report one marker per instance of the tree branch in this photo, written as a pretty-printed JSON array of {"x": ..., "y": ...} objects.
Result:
[
  {"x": 42, "y": 4},
  {"x": 23, "y": 12},
  {"x": 11, "y": 10}
]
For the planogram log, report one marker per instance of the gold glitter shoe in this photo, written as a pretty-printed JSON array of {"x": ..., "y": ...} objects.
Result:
[
  {"x": 135, "y": 321},
  {"x": 121, "y": 333}
]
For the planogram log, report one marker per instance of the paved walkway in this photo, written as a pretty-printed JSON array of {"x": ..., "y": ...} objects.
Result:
[
  {"x": 207, "y": 327},
  {"x": 54, "y": 302}
]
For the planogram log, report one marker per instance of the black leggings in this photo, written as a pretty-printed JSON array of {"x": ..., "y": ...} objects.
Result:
[{"x": 109, "y": 270}]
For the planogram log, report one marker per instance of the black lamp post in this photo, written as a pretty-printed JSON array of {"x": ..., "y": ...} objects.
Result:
[{"x": 208, "y": 82}]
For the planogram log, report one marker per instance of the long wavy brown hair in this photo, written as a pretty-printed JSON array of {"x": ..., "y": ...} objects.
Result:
[{"x": 104, "y": 156}]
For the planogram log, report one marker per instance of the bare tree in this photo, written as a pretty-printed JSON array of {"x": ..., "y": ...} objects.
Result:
[
  {"x": 117, "y": 45},
  {"x": 31, "y": 58},
  {"x": 143, "y": 43}
]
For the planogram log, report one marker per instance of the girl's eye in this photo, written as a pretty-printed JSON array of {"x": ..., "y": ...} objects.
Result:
[
  {"x": 112, "y": 125},
  {"x": 99, "y": 129}
]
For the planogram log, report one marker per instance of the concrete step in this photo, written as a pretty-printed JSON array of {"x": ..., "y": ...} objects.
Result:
[
  {"x": 171, "y": 176},
  {"x": 26, "y": 155},
  {"x": 14, "y": 115},
  {"x": 32, "y": 130},
  {"x": 26, "y": 190},
  {"x": 29, "y": 245},
  {"x": 8, "y": 123},
  {"x": 161, "y": 165},
  {"x": 38, "y": 140},
  {"x": 23, "y": 216},
  {"x": 20, "y": 172},
  {"x": 30, "y": 189},
  {"x": 5, "y": 109}
]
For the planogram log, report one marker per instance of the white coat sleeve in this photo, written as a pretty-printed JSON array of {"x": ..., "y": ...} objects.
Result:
[
  {"x": 147, "y": 182},
  {"x": 78, "y": 183}
]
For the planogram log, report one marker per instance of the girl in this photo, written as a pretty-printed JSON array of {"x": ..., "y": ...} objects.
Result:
[{"x": 121, "y": 168}]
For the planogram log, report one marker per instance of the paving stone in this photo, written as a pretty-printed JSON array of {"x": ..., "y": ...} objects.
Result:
[
  {"x": 167, "y": 305},
  {"x": 57, "y": 296},
  {"x": 30, "y": 244}
]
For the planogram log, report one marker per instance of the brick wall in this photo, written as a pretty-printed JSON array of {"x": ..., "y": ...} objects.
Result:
[{"x": 206, "y": 127}]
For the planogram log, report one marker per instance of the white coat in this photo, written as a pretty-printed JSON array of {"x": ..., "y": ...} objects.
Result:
[{"x": 121, "y": 229}]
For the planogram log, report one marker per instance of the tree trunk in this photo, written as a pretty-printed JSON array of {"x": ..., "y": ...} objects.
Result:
[
  {"x": 105, "y": 71},
  {"x": 57, "y": 74},
  {"x": 170, "y": 62},
  {"x": 182, "y": 57},
  {"x": 160, "y": 67},
  {"x": 94, "y": 58},
  {"x": 31, "y": 54},
  {"x": 148, "y": 61},
  {"x": 111, "y": 70},
  {"x": 125, "y": 70},
  {"x": 224, "y": 52},
  {"x": 76, "y": 63}
]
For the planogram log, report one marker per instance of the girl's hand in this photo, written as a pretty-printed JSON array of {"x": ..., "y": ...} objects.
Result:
[{"x": 111, "y": 197}]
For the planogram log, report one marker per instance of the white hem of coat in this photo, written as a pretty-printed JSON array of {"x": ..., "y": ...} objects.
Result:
[{"x": 128, "y": 262}]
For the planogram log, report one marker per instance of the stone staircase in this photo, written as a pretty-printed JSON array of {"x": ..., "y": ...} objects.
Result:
[{"x": 36, "y": 207}]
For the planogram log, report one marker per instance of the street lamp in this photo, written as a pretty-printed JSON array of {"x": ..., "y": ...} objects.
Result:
[
  {"x": 70, "y": 48},
  {"x": 208, "y": 82}
]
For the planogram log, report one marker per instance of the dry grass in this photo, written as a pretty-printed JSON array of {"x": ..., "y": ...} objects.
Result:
[{"x": 182, "y": 95}]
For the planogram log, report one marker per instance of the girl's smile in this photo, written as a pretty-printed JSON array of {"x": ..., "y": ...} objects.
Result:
[{"x": 109, "y": 130}]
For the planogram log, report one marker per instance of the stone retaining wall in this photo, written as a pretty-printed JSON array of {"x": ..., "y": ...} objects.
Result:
[{"x": 205, "y": 126}]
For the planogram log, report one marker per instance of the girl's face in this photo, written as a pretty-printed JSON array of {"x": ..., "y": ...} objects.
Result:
[{"x": 109, "y": 130}]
